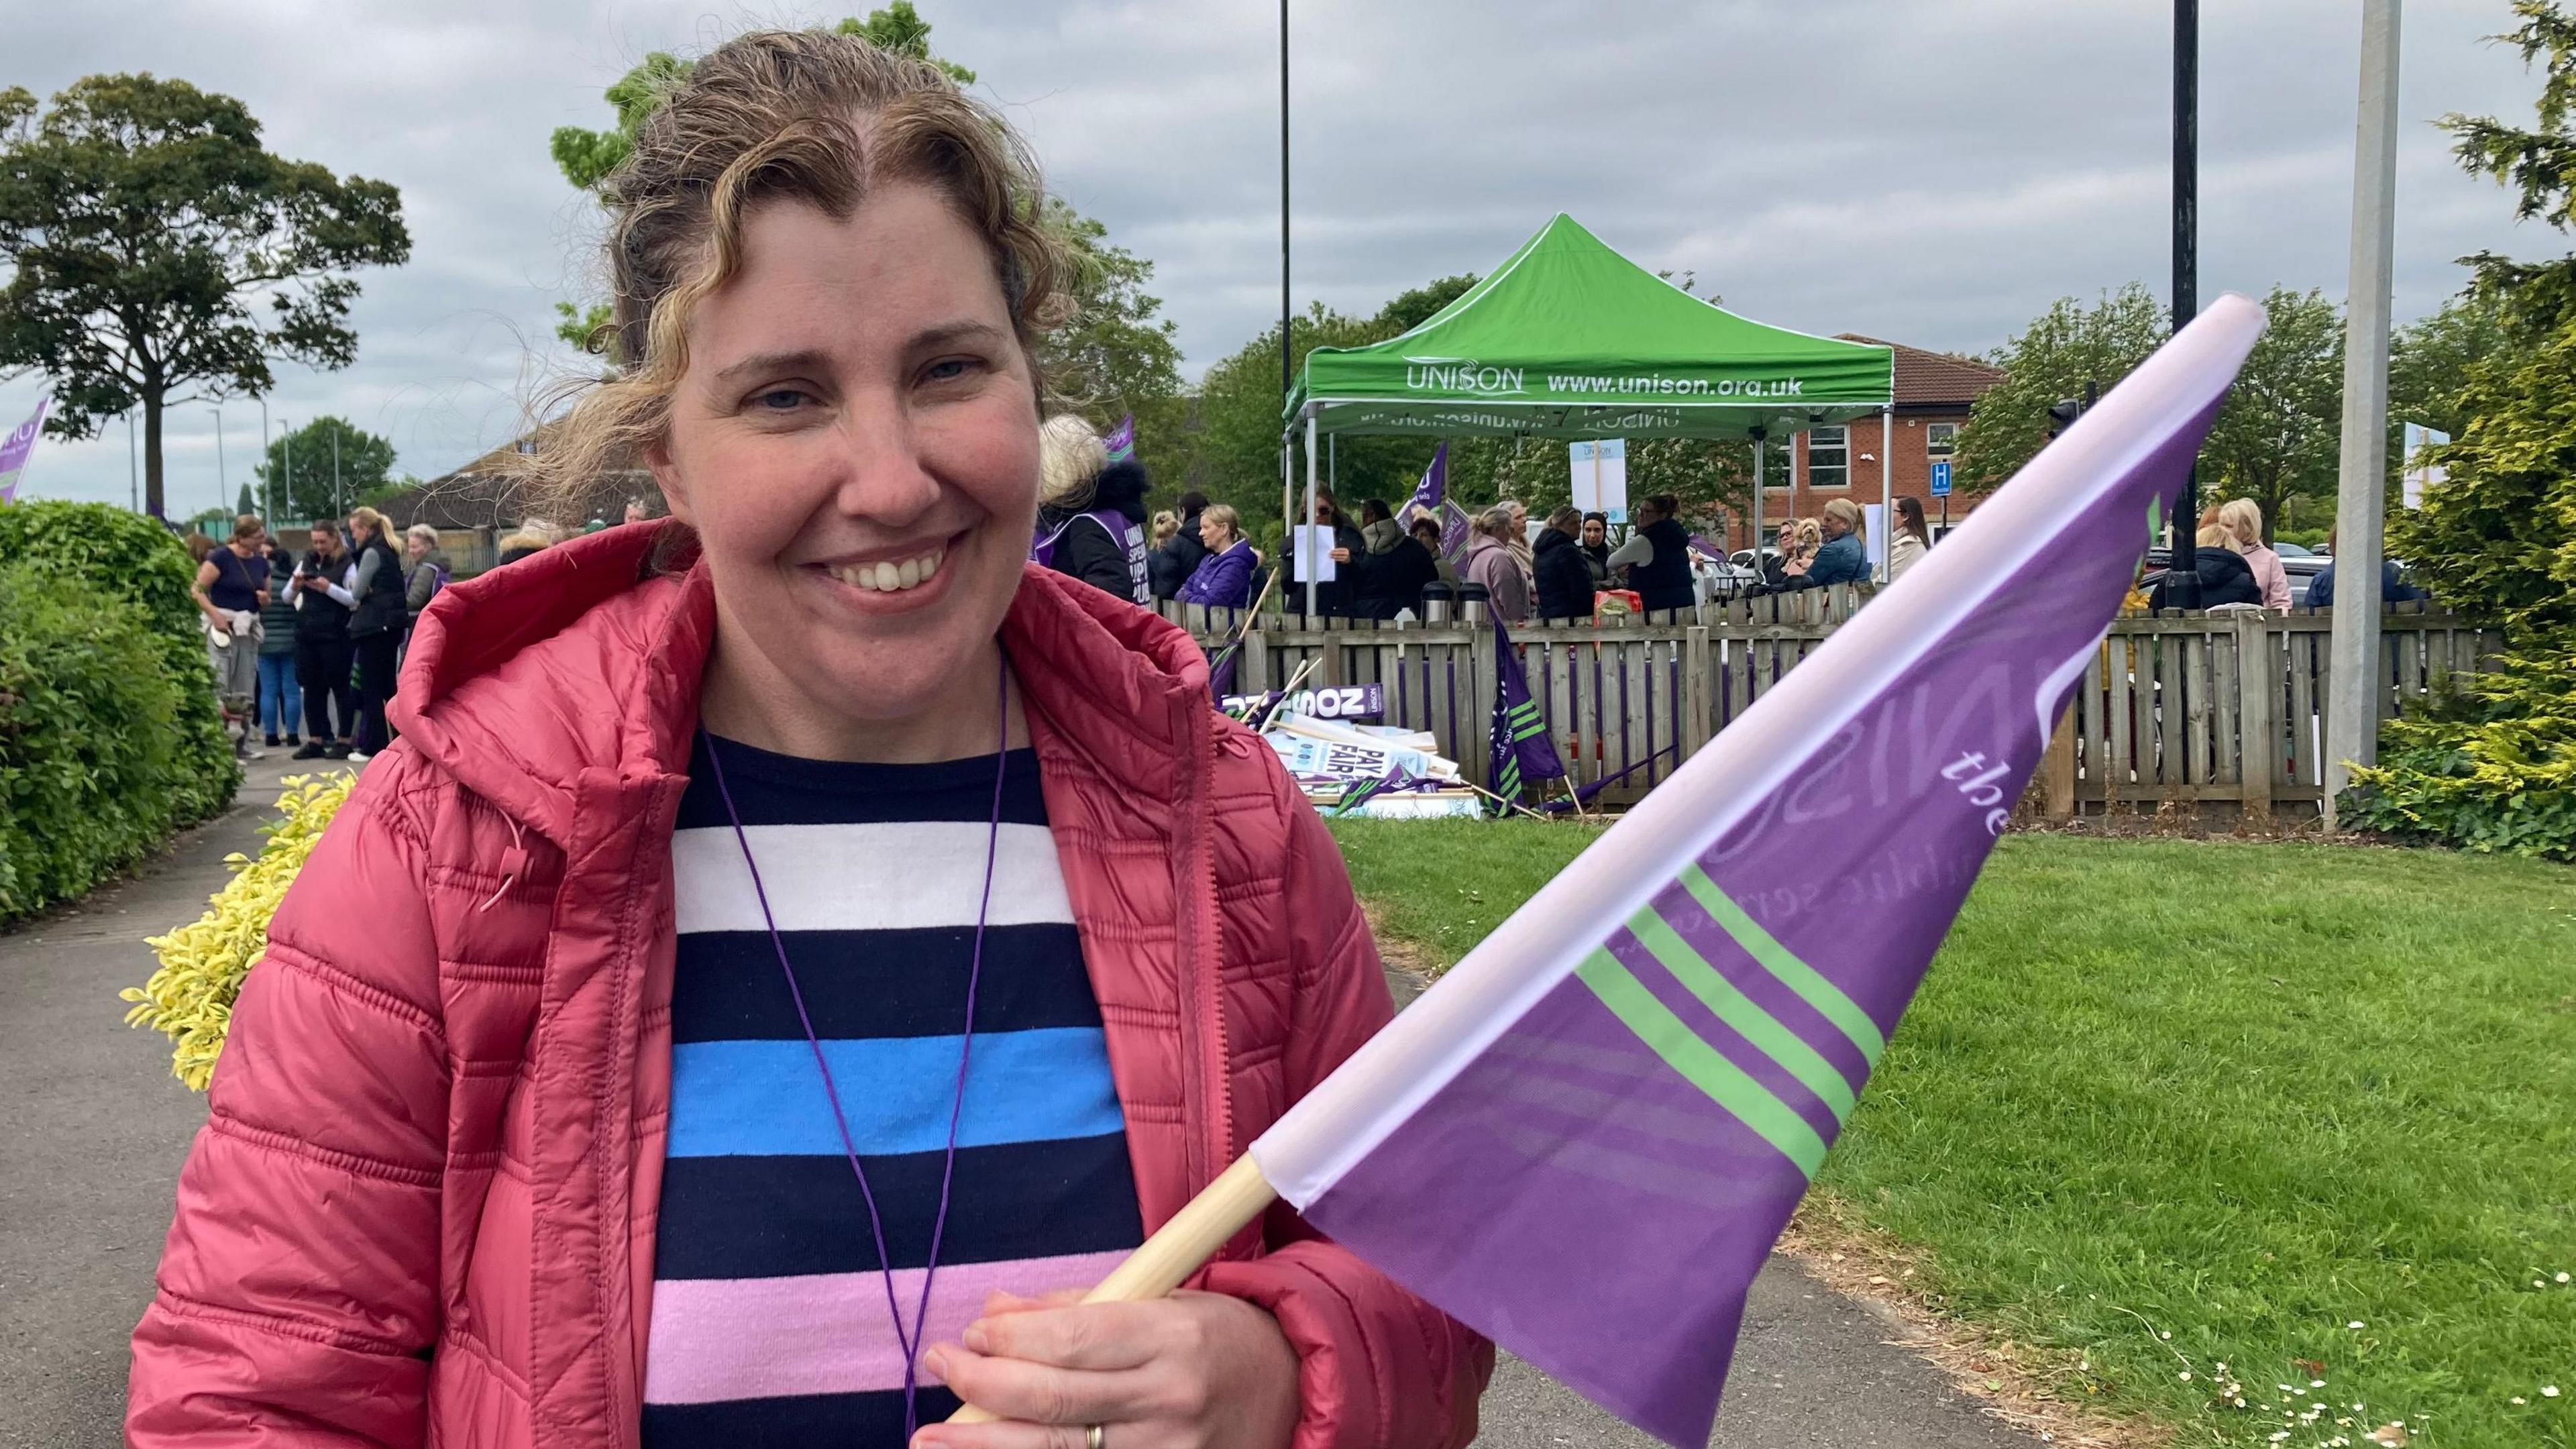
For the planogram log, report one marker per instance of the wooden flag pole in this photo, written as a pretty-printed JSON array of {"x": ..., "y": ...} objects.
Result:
[{"x": 1177, "y": 1248}]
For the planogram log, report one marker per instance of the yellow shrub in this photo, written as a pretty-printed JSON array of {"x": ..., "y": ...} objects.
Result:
[{"x": 190, "y": 999}]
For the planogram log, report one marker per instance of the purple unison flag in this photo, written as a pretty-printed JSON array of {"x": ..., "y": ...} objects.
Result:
[
  {"x": 1121, "y": 440},
  {"x": 21, "y": 442},
  {"x": 1584, "y": 1140},
  {"x": 1427, "y": 495},
  {"x": 1221, "y": 671},
  {"x": 1522, "y": 750},
  {"x": 1455, "y": 525}
]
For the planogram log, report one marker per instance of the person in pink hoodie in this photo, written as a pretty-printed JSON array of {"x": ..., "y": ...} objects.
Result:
[
  {"x": 793, "y": 943},
  {"x": 2243, "y": 520}
]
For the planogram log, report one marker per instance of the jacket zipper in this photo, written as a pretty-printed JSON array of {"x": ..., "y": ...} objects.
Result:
[{"x": 1202, "y": 973}]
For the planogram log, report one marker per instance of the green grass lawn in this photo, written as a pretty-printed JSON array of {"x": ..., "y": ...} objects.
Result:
[{"x": 2245, "y": 1095}]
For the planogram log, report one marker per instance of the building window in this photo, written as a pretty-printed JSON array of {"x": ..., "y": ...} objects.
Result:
[
  {"x": 1829, "y": 458},
  {"x": 1940, "y": 440}
]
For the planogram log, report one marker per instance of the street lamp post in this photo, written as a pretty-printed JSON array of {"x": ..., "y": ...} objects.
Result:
[
  {"x": 268, "y": 485},
  {"x": 2182, "y": 574},
  {"x": 2355, "y": 681}
]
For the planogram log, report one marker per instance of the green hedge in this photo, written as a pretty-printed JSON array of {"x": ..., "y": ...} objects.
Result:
[
  {"x": 2491, "y": 768},
  {"x": 109, "y": 733}
]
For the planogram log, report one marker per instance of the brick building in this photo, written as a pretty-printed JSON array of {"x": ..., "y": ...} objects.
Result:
[{"x": 1934, "y": 392}]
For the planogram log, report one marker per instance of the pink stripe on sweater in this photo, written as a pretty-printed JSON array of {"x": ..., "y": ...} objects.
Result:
[{"x": 826, "y": 1333}]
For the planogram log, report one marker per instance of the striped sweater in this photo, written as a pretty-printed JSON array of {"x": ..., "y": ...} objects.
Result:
[{"x": 770, "y": 1322}]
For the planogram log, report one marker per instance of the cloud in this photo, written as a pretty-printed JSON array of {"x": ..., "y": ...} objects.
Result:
[{"x": 1931, "y": 170}]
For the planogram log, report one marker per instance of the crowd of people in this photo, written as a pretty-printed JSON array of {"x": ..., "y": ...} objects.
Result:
[
  {"x": 1094, "y": 525},
  {"x": 306, "y": 649},
  {"x": 2236, "y": 567}
]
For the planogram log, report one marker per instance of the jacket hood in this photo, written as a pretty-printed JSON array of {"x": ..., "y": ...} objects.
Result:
[
  {"x": 1383, "y": 535},
  {"x": 577, "y": 670},
  {"x": 1550, "y": 540}
]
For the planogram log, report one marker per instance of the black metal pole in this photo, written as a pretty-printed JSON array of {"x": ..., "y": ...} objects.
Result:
[
  {"x": 2182, "y": 578},
  {"x": 1284, "y": 309}
]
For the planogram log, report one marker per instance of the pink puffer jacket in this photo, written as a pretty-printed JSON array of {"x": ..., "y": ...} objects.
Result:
[{"x": 421, "y": 1210}]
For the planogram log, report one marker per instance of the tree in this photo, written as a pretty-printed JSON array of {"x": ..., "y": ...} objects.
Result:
[
  {"x": 1413, "y": 308},
  {"x": 1116, "y": 356},
  {"x": 1235, "y": 457},
  {"x": 2429, "y": 361},
  {"x": 586, "y": 157},
  {"x": 144, "y": 223},
  {"x": 2495, "y": 767},
  {"x": 2067, "y": 349},
  {"x": 2278, "y": 435},
  {"x": 323, "y": 469},
  {"x": 244, "y": 503},
  {"x": 2498, "y": 538}
]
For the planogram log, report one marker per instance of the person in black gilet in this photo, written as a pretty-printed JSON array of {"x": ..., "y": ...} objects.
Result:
[
  {"x": 377, "y": 617},
  {"x": 1658, "y": 557},
  {"x": 322, "y": 603}
]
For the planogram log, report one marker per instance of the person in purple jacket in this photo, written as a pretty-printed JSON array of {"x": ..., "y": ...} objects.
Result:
[{"x": 1223, "y": 579}]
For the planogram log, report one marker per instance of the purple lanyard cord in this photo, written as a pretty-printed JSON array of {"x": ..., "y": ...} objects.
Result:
[{"x": 908, "y": 1341}]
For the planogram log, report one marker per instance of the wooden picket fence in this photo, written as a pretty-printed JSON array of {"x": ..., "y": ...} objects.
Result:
[{"x": 2222, "y": 708}]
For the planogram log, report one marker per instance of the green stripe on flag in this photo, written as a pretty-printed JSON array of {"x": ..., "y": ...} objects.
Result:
[
  {"x": 1777, "y": 959},
  {"x": 1743, "y": 1013},
  {"x": 1726, "y": 1084}
]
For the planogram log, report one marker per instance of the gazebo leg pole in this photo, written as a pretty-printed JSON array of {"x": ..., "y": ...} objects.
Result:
[
  {"x": 1309, "y": 566},
  {"x": 1886, "y": 488},
  {"x": 1287, "y": 504},
  {"x": 1759, "y": 484}
]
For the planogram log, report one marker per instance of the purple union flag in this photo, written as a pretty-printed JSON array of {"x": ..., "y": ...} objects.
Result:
[{"x": 1584, "y": 1141}]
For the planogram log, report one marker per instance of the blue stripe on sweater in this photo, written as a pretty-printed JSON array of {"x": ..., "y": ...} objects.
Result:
[{"x": 763, "y": 1098}]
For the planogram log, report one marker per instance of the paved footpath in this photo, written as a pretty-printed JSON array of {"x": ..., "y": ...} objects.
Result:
[{"x": 93, "y": 1129}]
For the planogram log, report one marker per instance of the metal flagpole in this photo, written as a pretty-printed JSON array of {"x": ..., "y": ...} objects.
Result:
[
  {"x": 268, "y": 484},
  {"x": 2352, "y": 706}
]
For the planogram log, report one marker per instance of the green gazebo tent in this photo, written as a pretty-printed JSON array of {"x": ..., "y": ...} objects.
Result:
[{"x": 1569, "y": 339}]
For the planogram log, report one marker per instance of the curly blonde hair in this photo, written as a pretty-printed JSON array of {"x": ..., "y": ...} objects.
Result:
[{"x": 809, "y": 116}]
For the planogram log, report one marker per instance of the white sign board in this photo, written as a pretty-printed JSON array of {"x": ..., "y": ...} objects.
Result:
[
  {"x": 2417, "y": 476},
  {"x": 1314, "y": 550},
  {"x": 1601, "y": 477},
  {"x": 1873, "y": 528}
]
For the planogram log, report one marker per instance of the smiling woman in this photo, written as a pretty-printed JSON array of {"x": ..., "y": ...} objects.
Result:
[{"x": 792, "y": 940}]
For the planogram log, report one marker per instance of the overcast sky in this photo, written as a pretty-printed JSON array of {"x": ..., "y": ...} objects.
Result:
[{"x": 1933, "y": 171}]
